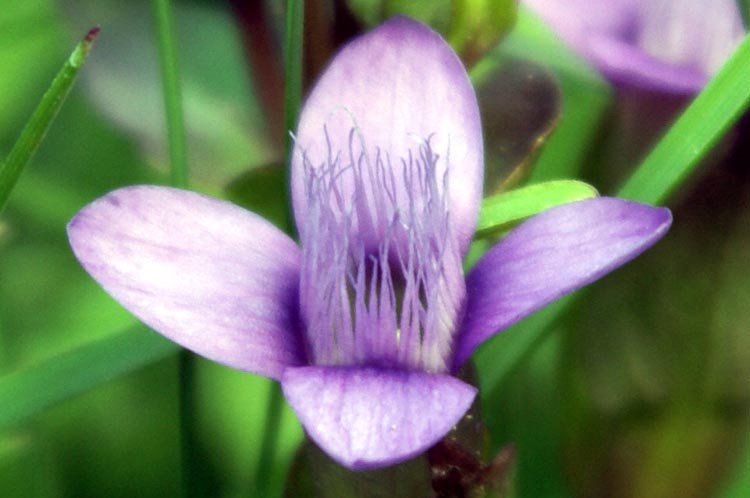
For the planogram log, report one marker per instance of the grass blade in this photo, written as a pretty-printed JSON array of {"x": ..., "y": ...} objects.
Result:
[
  {"x": 37, "y": 126},
  {"x": 696, "y": 131},
  {"x": 27, "y": 392}
]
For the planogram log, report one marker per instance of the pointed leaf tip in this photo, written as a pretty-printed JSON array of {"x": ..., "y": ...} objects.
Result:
[{"x": 92, "y": 34}]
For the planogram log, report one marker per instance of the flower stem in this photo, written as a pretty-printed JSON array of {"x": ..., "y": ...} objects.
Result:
[
  {"x": 295, "y": 19},
  {"x": 270, "y": 439},
  {"x": 293, "y": 66},
  {"x": 179, "y": 178},
  {"x": 188, "y": 433},
  {"x": 293, "y": 51},
  {"x": 172, "y": 93}
]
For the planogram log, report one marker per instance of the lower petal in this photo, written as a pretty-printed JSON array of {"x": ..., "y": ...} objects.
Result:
[{"x": 366, "y": 417}]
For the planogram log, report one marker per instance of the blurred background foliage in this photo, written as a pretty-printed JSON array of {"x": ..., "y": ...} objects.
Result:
[{"x": 642, "y": 390}]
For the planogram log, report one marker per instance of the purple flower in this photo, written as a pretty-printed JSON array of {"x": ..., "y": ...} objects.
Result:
[
  {"x": 367, "y": 321},
  {"x": 665, "y": 45}
]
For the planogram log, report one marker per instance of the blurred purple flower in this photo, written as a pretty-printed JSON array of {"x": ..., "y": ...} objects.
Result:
[
  {"x": 665, "y": 45},
  {"x": 367, "y": 321}
]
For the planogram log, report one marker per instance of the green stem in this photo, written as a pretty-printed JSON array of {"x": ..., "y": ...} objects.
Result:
[
  {"x": 179, "y": 178},
  {"x": 172, "y": 93},
  {"x": 293, "y": 66},
  {"x": 295, "y": 19},
  {"x": 270, "y": 440},
  {"x": 293, "y": 51},
  {"x": 37, "y": 126},
  {"x": 188, "y": 433}
]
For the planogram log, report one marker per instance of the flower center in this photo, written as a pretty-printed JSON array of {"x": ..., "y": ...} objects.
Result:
[{"x": 381, "y": 280}]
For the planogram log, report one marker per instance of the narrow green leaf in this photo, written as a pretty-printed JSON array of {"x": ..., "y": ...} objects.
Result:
[
  {"x": 37, "y": 126},
  {"x": 696, "y": 131},
  {"x": 27, "y": 392},
  {"x": 501, "y": 210}
]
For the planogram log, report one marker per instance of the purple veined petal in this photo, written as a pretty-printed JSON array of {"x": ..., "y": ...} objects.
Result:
[
  {"x": 366, "y": 417},
  {"x": 383, "y": 97},
  {"x": 551, "y": 255},
  {"x": 665, "y": 45},
  {"x": 205, "y": 273}
]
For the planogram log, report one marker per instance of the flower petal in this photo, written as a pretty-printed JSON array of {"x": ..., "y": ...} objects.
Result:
[
  {"x": 666, "y": 45},
  {"x": 205, "y": 273},
  {"x": 628, "y": 64},
  {"x": 551, "y": 255},
  {"x": 395, "y": 88},
  {"x": 368, "y": 417}
]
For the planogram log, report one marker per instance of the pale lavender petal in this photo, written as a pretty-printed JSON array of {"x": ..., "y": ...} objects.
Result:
[
  {"x": 667, "y": 45},
  {"x": 205, "y": 273},
  {"x": 366, "y": 417},
  {"x": 551, "y": 255},
  {"x": 384, "y": 97}
]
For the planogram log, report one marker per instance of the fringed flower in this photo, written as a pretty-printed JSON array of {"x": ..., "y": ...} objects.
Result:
[{"x": 366, "y": 322}]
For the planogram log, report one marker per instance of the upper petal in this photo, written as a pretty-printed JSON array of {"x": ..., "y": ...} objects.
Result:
[
  {"x": 366, "y": 417},
  {"x": 551, "y": 255},
  {"x": 396, "y": 88},
  {"x": 205, "y": 273}
]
